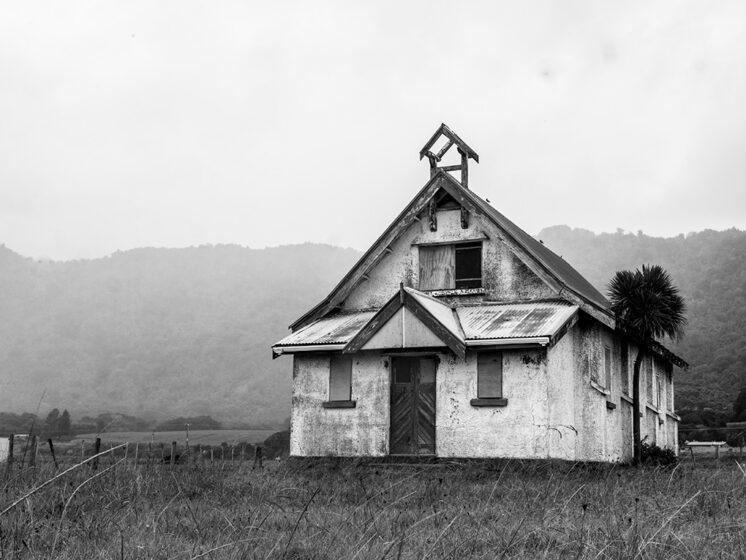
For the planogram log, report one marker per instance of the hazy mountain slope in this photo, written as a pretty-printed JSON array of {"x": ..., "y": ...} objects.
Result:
[
  {"x": 162, "y": 332},
  {"x": 187, "y": 332},
  {"x": 710, "y": 269}
]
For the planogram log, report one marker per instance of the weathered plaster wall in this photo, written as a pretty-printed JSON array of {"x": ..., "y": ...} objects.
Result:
[
  {"x": 504, "y": 276},
  {"x": 599, "y": 427},
  {"x": 657, "y": 424},
  {"x": 625, "y": 417},
  {"x": 517, "y": 430},
  {"x": 318, "y": 431},
  {"x": 561, "y": 434}
]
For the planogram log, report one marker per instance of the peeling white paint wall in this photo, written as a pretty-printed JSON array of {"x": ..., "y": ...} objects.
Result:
[
  {"x": 504, "y": 276},
  {"x": 359, "y": 431},
  {"x": 516, "y": 430}
]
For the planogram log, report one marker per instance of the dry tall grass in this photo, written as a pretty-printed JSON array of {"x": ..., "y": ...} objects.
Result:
[{"x": 347, "y": 509}]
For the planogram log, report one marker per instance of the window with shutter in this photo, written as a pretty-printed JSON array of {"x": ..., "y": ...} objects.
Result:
[
  {"x": 489, "y": 380},
  {"x": 607, "y": 367},
  {"x": 340, "y": 382},
  {"x": 437, "y": 267},
  {"x": 448, "y": 267},
  {"x": 489, "y": 376}
]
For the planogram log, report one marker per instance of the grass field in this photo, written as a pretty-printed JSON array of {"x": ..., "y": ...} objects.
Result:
[
  {"x": 204, "y": 437},
  {"x": 329, "y": 509}
]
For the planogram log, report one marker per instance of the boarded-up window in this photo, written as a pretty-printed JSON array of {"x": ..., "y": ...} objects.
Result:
[
  {"x": 437, "y": 265},
  {"x": 607, "y": 367},
  {"x": 340, "y": 377},
  {"x": 625, "y": 368},
  {"x": 489, "y": 375}
]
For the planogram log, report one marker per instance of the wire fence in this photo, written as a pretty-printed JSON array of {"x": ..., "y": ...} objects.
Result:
[{"x": 24, "y": 452}]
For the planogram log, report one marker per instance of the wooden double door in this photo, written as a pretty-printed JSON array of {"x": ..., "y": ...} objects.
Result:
[{"x": 412, "y": 405}]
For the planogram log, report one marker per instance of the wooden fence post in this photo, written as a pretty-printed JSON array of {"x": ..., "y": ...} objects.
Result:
[
  {"x": 51, "y": 450},
  {"x": 82, "y": 449},
  {"x": 173, "y": 453},
  {"x": 212, "y": 455},
  {"x": 32, "y": 457},
  {"x": 137, "y": 452},
  {"x": 162, "y": 453},
  {"x": 9, "y": 463},
  {"x": 96, "y": 451}
]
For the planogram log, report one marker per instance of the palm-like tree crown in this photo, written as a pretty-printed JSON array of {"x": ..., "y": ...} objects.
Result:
[{"x": 646, "y": 303}]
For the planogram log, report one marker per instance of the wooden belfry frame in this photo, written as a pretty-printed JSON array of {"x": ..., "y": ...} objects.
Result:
[{"x": 463, "y": 149}]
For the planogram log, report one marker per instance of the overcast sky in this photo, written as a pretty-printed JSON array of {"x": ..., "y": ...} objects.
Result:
[{"x": 170, "y": 124}]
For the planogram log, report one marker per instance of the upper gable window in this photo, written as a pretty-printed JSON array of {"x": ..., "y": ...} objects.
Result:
[{"x": 448, "y": 267}]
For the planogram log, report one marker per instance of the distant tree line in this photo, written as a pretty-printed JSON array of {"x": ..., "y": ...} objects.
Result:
[{"x": 58, "y": 424}]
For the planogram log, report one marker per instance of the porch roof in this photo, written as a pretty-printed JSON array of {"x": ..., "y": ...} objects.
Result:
[
  {"x": 337, "y": 328},
  {"x": 508, "y": 321}
]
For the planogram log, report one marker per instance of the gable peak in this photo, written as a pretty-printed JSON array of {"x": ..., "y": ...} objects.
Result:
[{"x": 449, "y": 139}]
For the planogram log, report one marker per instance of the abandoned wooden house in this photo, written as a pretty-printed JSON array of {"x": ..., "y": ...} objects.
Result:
[{"x": 457, "y": 334}]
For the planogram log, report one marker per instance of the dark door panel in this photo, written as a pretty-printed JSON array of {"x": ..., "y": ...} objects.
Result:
[{"x": 412, "y": 406}]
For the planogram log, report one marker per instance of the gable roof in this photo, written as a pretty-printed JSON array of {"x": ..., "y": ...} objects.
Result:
[
  {"x": 436, "y": 316},
  {"x": 550, "y": 267}
]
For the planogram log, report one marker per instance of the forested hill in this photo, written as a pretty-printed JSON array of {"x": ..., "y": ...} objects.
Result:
[
  {"x": 710, "y": 269},
  {"x": 163, "y": 333},
  {"x": 158, "y": 332}
]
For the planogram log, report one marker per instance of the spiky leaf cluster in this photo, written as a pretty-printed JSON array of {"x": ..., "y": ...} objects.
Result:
[{"x": 646, "y": 303}]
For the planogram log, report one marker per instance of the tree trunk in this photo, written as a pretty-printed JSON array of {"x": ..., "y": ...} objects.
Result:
[{"x": 636, "y": 436}]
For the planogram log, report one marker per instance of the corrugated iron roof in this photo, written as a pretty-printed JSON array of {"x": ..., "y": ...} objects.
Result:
[
  {"x": 516, "y": 320},
  {"x": 332, "y": 329},
  {"x": 511, "y": 320}
]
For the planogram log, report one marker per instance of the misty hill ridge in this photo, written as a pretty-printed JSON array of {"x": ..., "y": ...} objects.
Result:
[
  {"x": 158, "y": 332},
  {"x": 186, "y": 332},
  {"x": 709, "y": 267}
]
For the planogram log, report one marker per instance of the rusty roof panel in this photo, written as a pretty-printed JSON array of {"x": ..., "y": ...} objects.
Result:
[
  {"x": 522, "y": 320},
  {"x": 334, "y": 329}
]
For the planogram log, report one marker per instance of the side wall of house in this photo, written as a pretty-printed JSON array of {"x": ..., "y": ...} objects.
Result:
[
  {"x": 517, "y": 430},
  {"x": 318, "y": 431},
  {"x": 561, "y": 365},
  {"x": 504, "y": 276},
  {"x": 599, "y": 417}
]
